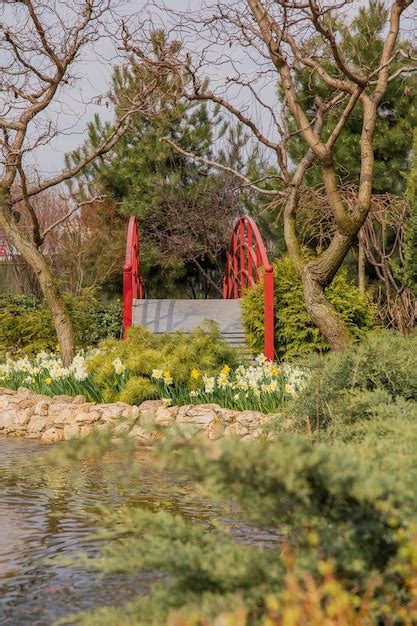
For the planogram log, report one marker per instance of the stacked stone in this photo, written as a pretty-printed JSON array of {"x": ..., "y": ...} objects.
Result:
[{"x": 58, "y": 418}]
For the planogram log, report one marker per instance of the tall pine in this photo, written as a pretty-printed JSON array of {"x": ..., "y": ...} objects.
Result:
[{"x": 361, "y": 41}]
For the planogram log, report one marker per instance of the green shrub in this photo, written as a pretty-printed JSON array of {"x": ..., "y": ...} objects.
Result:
[
  {"x": 295, "y": 333},
  {"x": 325, "y": 504},
  {"x": 378, "y": 372},
  {"x": 26, "y": 324},
  {"x": 93, "y": 319},
  {"x": 138, "y": 389},
  {"x": 123, "y": 369}
]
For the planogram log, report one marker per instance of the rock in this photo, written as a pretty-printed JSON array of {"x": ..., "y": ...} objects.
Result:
[
  {"x": 78, "y": 400},
  {"x": 111, "y": 412},
  {"x": 23, "y": 417},
  {"x": 85, "y": 406},
  {"x": 64, "y": 399},
  {"x": 236, "y": 430},
  {"x": 122, "y": 427},
  {"x": 53, "y": 434},
  {"x": 70, "y": 431},
  {"x": 201, "y": 414},
  {"x": 65, "y": 416},
  {"x": 215, "y": 429},
  {"x": 41, "y": 408},
  {"x": 28, "y": 402},
  {"x": 249, "y": 417},
  {"x": 227, "y": 415},
  {"x": 143, "y": 435},
  {"x": 7, "y": 418},
  {"x": 86, "y": 429},
  {"x": 37, "y": 424},
  {"x": 131, "y": 412},
  {"x": 88, "y": 418},
  {"x": 61, "y": 417},
  {"x": 147, "y": 411},
  {"x": 166, "y": 415}
]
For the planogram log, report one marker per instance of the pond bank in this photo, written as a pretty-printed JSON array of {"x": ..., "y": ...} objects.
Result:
[{"x": 58, "y": 418}]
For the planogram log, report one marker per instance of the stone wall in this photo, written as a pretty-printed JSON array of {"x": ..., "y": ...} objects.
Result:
[{"x": 58, "y": 418}]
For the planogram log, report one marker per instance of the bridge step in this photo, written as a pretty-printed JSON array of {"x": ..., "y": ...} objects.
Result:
[{"x": 167, "y": 316}]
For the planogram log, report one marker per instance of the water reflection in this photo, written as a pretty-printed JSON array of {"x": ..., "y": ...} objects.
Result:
[{"x": 43, "y": 516}]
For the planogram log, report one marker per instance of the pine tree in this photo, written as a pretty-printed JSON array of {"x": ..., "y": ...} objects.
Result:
[
  {"x": 361, "y": 41},
  {"x": 409, "y": 269},
  {"x": 176, "y": 199}
]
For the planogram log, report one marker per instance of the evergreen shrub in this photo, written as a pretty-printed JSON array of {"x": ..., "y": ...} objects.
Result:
[
  {"x": 373, "y": 377},
  {"x": 123, "y": 369},
  {"x": 26, "y": 324},
  {"x": 295, "y": 333},
  {"x": 323, "y": 504}
]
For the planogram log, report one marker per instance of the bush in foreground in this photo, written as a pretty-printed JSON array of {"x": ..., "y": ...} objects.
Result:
[
  {"x": 327, "y": 518},
  {"x": 376, "y": 376}
]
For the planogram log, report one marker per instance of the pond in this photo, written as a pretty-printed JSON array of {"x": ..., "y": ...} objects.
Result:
[{"x": 43, "y": 517}]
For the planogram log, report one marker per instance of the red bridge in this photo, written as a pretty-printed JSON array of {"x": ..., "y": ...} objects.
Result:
[{"x": 247, "y": 261}]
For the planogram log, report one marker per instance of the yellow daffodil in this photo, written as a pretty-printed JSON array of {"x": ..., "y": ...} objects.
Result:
[
  {"x": 195, "y": 374},
  {"x": 167, "y": 378},
  {"x": 48, "y": 381},
  {"x": 225, "y": 371}
]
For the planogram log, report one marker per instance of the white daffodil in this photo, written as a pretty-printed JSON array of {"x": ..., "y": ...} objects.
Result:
[
  {"x": 118, "y": 366},
  {"x": 209, "y": 383}
]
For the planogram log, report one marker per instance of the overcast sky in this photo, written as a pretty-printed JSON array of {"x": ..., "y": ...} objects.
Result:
[
  {"x": 72, "y": 113},
  {"x": 77, "y": 107}
]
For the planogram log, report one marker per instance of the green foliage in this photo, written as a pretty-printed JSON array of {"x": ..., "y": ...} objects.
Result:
[
  {"x": 378, "y": 373},
  {"x": 344, "y": 502},
  {"x": 326, "y": 504},
  {"x": 45, "y": 375},
  {"x": 174, "y": 197},
  {"x": 138, "y": 389},
  {"x": 259, "y": 386},
  {"x": 409, "y": 267},
  {"x": 295, "y": 333},
  {"x": 93, "y": 319},
  {"x": 123, "y": 370},
  {"x": 361, "y": 41},
  {"x": 26, "y": 324}
]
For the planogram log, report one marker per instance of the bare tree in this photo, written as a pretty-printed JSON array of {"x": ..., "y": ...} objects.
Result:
[
  {"x": 244, "y": 46},
  {"x": 379, "y": 248},
  {"x": 40, "y": 44}
]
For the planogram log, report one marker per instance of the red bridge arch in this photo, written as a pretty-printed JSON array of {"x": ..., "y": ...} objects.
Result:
[{"x": 247, "y": 261}]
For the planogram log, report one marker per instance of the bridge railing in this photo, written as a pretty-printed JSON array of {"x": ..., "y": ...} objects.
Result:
[
  {"x": 247, "y": 261},
  {"x": 132, "y": 280}
]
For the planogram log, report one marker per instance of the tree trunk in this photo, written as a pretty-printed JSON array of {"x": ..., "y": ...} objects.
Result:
[
  {"x": 361, "y": 268},
  {"x": 317, "y": 274},
  {"x": 323, "y": 314},
  {"x": 60, "y": 316},
  {"x": 38, "y": 263}
]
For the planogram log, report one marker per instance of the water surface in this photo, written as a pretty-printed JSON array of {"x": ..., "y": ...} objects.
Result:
[{"x": 43, "y": 516}]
